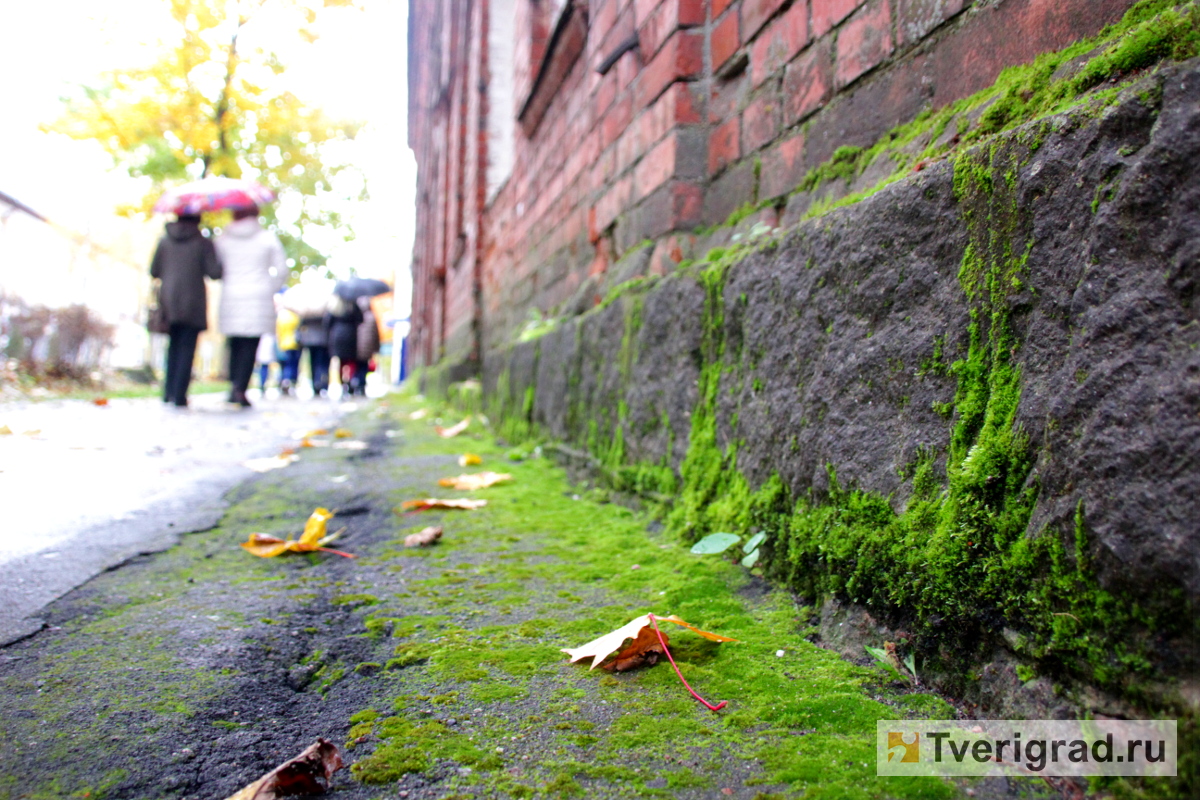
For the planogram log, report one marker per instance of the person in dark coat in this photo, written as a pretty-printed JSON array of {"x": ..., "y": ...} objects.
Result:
[
  {"x": 342, "y": 321},
  {"x": 312, "y": 336},
  {"x": 183, "y": 258},
  {"x": 368, "y": 346}
]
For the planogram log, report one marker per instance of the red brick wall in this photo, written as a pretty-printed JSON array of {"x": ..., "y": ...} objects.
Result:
[{"x": 718, "y": 102}]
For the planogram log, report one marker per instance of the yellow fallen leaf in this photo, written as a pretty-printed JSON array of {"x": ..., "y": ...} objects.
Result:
[
  {"x": 313, "y": 538},
  {"x": 315, "y": 432},
  {"x": 5, "y": 430},
  {"x": 480, "y": 480},
  {"x": 342, "y": 433},
  {"x": 433, "y": 502},
  {"x": 601, "y": 648},
  {"x": 423, "y": 537},
  {"x": 308, "y": 773},
  {"x": 469, "y": 460},
  {"x": 33, "y": 432},
  {"x": 453, "y": 430}
]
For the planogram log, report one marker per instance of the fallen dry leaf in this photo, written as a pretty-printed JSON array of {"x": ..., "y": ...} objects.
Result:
[
  {"x": 342, "y": 433},
  {"x": 644, "y": 650},
  {"x": 424, "y": 537},
  {"x": 264, "y": 545},
  {"x": 600, "y": 649},
  {"x": 100, "y": 401},
  {"x": 315, "y": 432},
  {"x": 5, "y": 430},
  {"x": 308, "y": 773},
  {"x": 433, "y": 502},
  {"x": 480, "y": 480},
  {"x": 453, "y": 430},
  {"x": 469, "y": 460},
  {"x": 271, "y": 462},
  {"x": 305, "y": 443}
]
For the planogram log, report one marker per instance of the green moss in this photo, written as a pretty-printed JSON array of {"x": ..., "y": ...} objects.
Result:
[{"x": 355, "y": 600}]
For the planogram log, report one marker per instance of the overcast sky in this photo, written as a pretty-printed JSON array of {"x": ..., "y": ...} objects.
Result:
[{"x": 356, "y": 70}]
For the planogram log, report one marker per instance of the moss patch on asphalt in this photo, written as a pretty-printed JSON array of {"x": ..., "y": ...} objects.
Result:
[{"x": 478, "y": 699}]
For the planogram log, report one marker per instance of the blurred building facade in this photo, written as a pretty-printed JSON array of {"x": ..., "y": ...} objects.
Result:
[{"x": 46, "y": 268}]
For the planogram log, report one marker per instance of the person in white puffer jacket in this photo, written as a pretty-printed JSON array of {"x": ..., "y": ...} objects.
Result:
[{"x": 255, "y": 269}]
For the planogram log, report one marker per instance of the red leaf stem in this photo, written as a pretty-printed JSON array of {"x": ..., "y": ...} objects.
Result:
[{"x": 706, "y": 704}]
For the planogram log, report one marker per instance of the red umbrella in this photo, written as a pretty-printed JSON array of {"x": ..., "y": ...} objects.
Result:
[{"x": 213, "y": 194}]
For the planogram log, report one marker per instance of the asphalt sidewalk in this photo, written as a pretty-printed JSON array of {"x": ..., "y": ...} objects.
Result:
[
  {"x": 87, "y": 486},
  {"x": 437, "y": 671}
]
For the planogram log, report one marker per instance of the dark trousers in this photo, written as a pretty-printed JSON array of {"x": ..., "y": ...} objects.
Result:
[
  {"x": 289, "y": 365},
  {"x": 181, "y": 351},
  {"x": 242, "y": 350},
  {"x": 318, "y": 365}
]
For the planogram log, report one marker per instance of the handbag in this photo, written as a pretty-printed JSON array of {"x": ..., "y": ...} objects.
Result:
[{"x": 157, "y": 321}]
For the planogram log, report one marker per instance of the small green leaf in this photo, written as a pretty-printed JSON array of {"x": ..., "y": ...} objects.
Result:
[
  {"x": 752, "y": 559},
  {"x": 715, "y": 543},
  {"x": 754, "y": 542}
]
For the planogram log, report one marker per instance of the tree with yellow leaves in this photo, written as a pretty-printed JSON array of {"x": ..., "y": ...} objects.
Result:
[{"x": 210, "y": 105}]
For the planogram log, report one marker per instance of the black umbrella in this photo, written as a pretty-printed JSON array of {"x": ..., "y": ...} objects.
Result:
[{"x": 355, "y": 288}]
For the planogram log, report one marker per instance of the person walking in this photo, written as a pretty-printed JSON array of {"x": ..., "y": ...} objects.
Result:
[
  {"x": 286, "y": 323},
  {"x": 183, "y": 259},
  {"x": 368, "y": 346},
  {"x": 255, "y": 269},
  {"x": 312, "y": 336},
  {"x": 342, "y": 320}
]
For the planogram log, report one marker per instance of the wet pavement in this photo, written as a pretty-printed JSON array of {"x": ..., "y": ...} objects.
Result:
[{"x": 85, "y": 487}]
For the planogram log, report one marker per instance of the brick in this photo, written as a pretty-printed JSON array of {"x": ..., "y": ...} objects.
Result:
[
  {"x": 658, "y": 19},
  {"x": 755, "y": 14},
  {"x": 719, "y": 6},
  {"x": 681, "y": 58},
  {"x": 675, "y": 107},
  {"x": 629, "y": 148},
  {"x": 828, "y": 13},
  {"x": 668, "y": 253},
  {"x": 729, "y": 191},
  {"x": 915, "y": 19},
  {"x": 779, "y": 42},
  {"x": 613, "y": 202},
  {"x": 725, "y": 41},
  {"x": 760, "y": 122},
  {"x": 864, "y": 42},
  {"x": 675, "y": 206},
  {"x": 808, "y": 83},
  {"x": 615, "y": 120},
  {"x": 723, "y": 146},
  {"x": 782, "y": 167},
  {"x": 602, "y": 17},
  {"x": 655, "y": 169},
  {"x": 728, "y": 97},
  {"x": 621, "y": 28}
]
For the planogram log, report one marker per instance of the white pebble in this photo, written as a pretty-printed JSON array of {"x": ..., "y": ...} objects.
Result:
[{"x": 779, "y": 653}]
